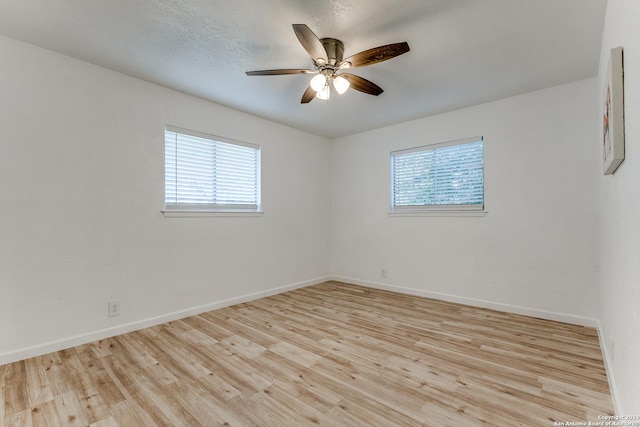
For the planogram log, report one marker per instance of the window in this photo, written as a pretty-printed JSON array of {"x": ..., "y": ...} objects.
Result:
[
  {"x": 207, "y": 173},
  {"x": 440, "y": 177}
]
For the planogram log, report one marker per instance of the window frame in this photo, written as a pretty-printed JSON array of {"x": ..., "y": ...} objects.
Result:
[
  {"x": 434, "y": 209},
  {"x": 212, "y": 209}
]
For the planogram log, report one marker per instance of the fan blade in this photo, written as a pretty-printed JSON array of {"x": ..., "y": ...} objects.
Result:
[
  {"x": 308, "y": 95},
  {"x": 311, "y": 43},
  {"x": 375, "y": 55},
  {"x": 363, "y": 85},
  {"x": 280, "y": 72}
]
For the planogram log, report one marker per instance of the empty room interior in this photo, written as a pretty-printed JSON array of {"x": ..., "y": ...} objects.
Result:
[{"x": 294, "y": 212}]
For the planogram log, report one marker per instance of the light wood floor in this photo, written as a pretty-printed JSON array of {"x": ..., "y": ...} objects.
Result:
[{"x": 330, "y": 354}]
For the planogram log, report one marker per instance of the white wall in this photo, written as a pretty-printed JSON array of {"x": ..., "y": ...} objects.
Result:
[
  {"x": 535, "y": 250},
  {"x": 620, "y": 218},
  {"x": 81, "y": 188},
  {"x": 81, "y": 174}
]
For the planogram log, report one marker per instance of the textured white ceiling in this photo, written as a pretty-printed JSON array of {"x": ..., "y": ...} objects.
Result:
[{"x": 463, "y": 52}]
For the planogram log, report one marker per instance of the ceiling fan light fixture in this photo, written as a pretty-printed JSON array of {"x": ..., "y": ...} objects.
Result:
[
  {"x": 324, "y": 93},
  {"x": 341, "y": 84},
  {"x": 318, "y": 82},
  {"x": 327, "y": 54}
]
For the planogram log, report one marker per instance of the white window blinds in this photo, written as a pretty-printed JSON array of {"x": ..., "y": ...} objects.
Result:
[
  {"x": 446, "y": 176},
  {"x": 204, "y": 173}
]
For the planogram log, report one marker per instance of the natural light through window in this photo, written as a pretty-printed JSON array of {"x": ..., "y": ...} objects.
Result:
[
  {"x": 442, "y": 177},
  {"x": 208, "y": 173}
]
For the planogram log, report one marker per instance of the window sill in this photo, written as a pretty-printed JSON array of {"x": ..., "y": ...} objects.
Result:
[
  {"x": 186, "y": 213},
  {"x": 440, "y": 213}
]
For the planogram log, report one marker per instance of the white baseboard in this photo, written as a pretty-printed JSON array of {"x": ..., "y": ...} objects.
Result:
[
  {"x": 617, "y": 406},
  {"x": 533, "y": 312},
  {"x": 51, "y": 346}
]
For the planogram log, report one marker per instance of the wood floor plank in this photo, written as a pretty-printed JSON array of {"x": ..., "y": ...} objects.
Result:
[
  {"x": 100, "y": 382},
  {"x": 125, "y": 415},
  {"x": 3, "y": 400},
  {"x": 143, "y": 407},
  {"x": 15, "y": 388},
  {"x": 330, "y": 354},
  {"x": 83, "y": 389},
  {"x": 107, "y": 422},
  {"x": 39, "y": 390},
  {"x": 290, "y": 411},
  {"x": 19, "y": 419}
]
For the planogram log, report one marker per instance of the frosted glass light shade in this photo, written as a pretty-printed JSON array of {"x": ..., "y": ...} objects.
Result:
[
  {"x": 324, "y": 92},
  {"x": 318, "y": 82},
  {"x": 341, "y": 84}
]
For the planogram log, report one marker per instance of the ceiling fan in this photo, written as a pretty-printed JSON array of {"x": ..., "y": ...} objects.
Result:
[{"x": 328, "y": 62}]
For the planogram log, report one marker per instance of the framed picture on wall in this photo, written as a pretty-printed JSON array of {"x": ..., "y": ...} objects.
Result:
[{"x": 613, "y": 114}]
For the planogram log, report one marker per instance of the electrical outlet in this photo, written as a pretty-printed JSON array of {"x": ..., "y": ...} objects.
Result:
[
  {"x": 114, "y": 308},
  {"x": 383, "y": 272}
]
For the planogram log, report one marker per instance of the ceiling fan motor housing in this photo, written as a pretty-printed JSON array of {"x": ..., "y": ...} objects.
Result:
[{"x": 335, "y": 50}]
